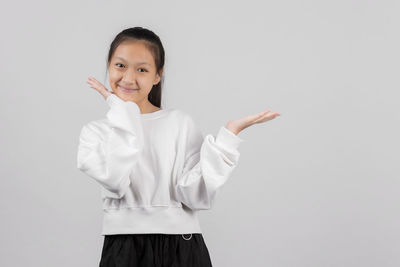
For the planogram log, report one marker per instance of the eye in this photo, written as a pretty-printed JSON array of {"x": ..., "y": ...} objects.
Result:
[
  {"x": 143, "y": 69},
  {"x": 118, "y": 64}
]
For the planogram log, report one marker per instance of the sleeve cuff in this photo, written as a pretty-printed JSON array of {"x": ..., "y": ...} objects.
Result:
[
  {"x": 122, "y": 190},
  {"x": 228, "y": 139},
  {"x": 113, "y": 100}
]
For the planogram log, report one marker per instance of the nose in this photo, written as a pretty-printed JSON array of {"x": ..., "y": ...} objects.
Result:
[{"x": 129, "y": 77}]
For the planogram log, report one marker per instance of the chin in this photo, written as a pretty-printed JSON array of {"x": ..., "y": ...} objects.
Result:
[{"x": 127, "y": 97}]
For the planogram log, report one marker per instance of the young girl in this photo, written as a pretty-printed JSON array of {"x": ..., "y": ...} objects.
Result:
[{"x": 155, "y": 167}]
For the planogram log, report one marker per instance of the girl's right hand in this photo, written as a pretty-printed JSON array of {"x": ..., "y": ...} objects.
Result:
[{"x": 99, "y": 87}]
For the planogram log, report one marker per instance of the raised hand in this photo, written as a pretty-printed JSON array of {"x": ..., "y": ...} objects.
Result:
[
  {"x": 238, "y": 125},
  {"x": 99, "y": 87}
]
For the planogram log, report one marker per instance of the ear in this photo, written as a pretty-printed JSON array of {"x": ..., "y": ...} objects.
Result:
[{"x": 158, "y": 77}]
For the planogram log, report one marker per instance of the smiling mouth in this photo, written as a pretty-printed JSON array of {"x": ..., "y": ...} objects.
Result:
[{"x": 127, "y": 90}]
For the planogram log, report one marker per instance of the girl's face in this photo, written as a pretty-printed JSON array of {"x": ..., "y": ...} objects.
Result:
[{"x": 133, "y": 72}]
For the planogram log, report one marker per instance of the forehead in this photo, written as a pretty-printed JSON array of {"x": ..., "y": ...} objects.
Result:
[{"x": 133, "y": 52}]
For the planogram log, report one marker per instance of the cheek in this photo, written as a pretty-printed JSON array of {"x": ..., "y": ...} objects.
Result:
[
  {"x": 113, "y": 76},
  {"x": 145, "y": 83}
]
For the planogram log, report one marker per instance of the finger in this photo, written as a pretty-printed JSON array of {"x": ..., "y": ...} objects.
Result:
[
  {"x": 269, "y": 117},
  {"x": 97, "y": 85},
  {"x": 93, "y": 80},
  {"x": 94, "y": 86},
  {"x": 266, "y": 117},
  {"x": 100, "y": 85},
  {"x": 266, "y": 111},
  {"x": 261, "y": 114},
  {"x": 272, "y": 115},
  {"x": 91, "y": 84}
]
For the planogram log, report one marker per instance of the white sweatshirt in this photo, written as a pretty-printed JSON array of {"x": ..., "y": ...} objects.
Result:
[{"x": 155, "y": 170}]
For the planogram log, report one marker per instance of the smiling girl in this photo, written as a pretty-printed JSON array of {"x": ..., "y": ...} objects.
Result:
[{"x": 155, "y": 168}]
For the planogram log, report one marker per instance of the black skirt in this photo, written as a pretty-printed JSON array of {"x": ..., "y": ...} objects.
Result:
[{"x": 155, "y": 250}]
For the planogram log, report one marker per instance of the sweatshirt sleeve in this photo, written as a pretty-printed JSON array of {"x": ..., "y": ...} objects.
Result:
[
  {"x": 208, "y": 164},
  {"x": 108, "y": 154}
]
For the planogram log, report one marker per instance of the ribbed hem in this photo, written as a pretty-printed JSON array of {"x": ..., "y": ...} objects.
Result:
[
  {"x": 228, "y": 139},
  {"x": 154, "y": 219}
]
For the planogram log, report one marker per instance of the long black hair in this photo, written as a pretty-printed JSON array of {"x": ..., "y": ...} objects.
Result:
[{"x": 153, "y": 43}]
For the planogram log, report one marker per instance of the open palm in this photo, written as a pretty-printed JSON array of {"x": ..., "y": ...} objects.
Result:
[
  {"x": 240, "y": 124},
  {"x": 99, "y": 87}
]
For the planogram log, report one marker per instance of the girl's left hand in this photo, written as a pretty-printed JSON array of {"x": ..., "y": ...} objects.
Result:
[{"x": 238, "y": 125}]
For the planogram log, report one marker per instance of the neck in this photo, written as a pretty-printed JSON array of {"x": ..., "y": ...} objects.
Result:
[{"x": 146, "y": 107}]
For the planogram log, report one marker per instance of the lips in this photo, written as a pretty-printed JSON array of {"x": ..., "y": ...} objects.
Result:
[{"x": 127, "y": 90}]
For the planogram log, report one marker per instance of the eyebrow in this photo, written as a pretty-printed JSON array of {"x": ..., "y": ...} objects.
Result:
[{"x": 139, "y": 63}]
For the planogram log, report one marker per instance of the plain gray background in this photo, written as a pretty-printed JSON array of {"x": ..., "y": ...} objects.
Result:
[{"x": 317, "y": 186}]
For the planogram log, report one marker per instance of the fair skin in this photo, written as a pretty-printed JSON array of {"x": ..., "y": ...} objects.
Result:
[{"x": 133, "y": 67}]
